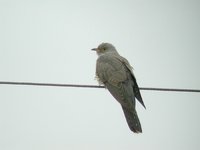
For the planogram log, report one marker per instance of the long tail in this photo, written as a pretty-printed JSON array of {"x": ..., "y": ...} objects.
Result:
[{"x": 132, "y": 120}]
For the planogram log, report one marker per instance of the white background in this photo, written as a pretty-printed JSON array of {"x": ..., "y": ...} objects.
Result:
[{"x": 50, "y": 41}]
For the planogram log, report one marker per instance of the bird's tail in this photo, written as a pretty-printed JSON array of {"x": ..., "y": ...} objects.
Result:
[{"x": 132, "y": 120}]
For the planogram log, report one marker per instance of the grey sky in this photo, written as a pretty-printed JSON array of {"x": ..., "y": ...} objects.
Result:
[{"x": 50, "y": 41}]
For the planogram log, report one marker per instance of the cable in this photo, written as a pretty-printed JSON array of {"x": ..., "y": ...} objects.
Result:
[{"x": 94, "y": 86}]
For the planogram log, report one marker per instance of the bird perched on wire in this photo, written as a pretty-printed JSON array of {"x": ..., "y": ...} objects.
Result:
[{"x": 115, "y": 72}]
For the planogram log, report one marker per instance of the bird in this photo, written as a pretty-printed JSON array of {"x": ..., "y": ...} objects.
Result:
[{"x": 115, "y": 73}]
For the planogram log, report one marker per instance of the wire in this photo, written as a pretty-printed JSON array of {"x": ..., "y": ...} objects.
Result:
[{"x": 94, "y": 86}]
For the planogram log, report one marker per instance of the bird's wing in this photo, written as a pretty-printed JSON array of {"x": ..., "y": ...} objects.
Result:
[
  {"x": 135, "y": 85},
  {"x": 116, "y": 77}
]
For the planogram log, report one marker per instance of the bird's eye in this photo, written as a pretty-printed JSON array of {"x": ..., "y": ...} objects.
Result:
[{"x": 104, "y": 49}]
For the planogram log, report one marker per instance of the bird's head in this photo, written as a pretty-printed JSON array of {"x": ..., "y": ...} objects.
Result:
[{"x": 104, "y": 48}]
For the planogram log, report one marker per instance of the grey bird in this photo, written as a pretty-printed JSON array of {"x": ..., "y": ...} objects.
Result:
[{"x": 115, "y": 72}]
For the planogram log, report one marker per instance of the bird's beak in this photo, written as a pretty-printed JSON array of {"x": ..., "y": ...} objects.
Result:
[{"x": 94, "y": 49}]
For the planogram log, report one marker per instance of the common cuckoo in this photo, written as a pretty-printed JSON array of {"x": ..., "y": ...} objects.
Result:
[{"x": 115, "y": 72}]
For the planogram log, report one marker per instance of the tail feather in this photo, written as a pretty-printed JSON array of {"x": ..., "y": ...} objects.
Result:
[{"x": 132, "y": 120}]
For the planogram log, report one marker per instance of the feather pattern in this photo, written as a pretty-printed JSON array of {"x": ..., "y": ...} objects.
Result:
[{"x": 115, "y": 72}]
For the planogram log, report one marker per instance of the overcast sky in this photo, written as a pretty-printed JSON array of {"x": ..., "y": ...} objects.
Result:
[{"x": 50, "y": 41}]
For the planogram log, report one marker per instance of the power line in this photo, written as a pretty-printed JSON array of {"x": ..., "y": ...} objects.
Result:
[{"x": 94, "y": 86}]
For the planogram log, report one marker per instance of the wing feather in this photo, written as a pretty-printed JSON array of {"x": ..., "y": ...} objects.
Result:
[
  {"x": 113, "y": 74},
  {"x": 136, "y": 89}
]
